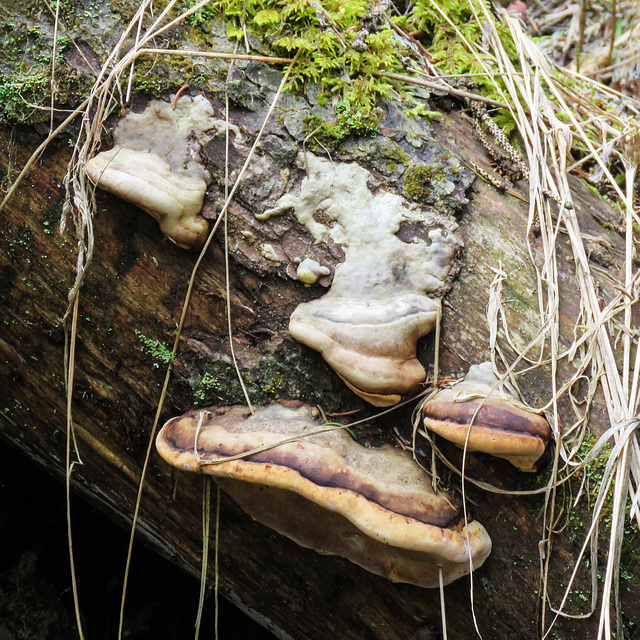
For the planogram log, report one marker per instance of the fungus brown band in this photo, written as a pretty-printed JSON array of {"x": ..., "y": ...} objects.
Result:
[{"x": 372, "y": 506}]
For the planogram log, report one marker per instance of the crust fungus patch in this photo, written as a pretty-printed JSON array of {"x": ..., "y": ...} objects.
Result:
[
  {"x": 310, "y": 270},
  {"x": 367, "y": 325},
  {"x": 502, "y": 426},
  {"x": 155, "y": 164},
  {"x": 374, "y": 507}
]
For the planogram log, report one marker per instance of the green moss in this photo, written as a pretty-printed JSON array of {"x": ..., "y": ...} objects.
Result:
[
  {"x": 201, "y": 16},
  {"x": 324, "y": 35},
  {"x": 159, "y": 351},
  {"x": 274, "y": 384},
  {"x": 214, "y": 381},
  {"x": 393, "y": 152},
  {"x": 25, "y": 72},
  {"x": 418, "y": 179},
  {"x": 209, "y": 384},
  {"x": 602, "y": 196},
  {"x": 591, "y": 485},
  {"x": 342, "y": 46},
  {"x": 350, "y": 120},
  {"x": 219, "y": 383},
  {"x": 448, "y": 24},
  {"x": 158, "y": 77},
  {"x": 67, "y": 7}
]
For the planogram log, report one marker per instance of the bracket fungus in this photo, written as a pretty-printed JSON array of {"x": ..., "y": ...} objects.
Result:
[
  {"x": 155, "y": 164},
  {"x": 374, "y": 507},
  {"x": 396, "y": 256},
  {"x": 502, "y": 426}
]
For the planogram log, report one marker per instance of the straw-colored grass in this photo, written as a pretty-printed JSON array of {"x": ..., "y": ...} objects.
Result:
[{"x": 555, "y": 114}]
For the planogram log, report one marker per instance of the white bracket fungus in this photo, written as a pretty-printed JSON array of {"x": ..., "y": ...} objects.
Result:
[
  {"x": 155, "y": 164},
  {"x": 481, "y": 414},
  {"x": 367, "y": 325},
  {"x": 375, "y": 507}
]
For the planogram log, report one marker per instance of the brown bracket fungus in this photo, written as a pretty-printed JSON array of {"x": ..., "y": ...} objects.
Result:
[
  {"x": 155, "y": 164},
  {"x": 374, "y": 507},
  {"x": 502, "y": 426},
  {"x": 367, "y": 325}
]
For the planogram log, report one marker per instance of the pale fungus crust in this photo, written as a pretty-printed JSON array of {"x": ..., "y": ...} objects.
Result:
[
  {"x": 375, "y": 507},
  {"x": 500, "y": 424},
  {"x": 368, "y": 324},
  {"x": 155, "y": 164},
  {"x": 310, "y": 270}
]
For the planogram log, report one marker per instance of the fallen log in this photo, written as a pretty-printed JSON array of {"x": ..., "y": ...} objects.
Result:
[{"x": 131, "y": 300}]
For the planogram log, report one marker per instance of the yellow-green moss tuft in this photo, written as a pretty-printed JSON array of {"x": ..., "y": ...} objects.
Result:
[{"x": 418, "y": 179}]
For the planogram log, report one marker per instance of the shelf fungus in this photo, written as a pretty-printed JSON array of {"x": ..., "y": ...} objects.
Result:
[
  {"x": 500, "y": 424},
  {"x": 396, "y": 256},
  {"x": 155, "y": 164},
  {"x": 374, "y": 507}
]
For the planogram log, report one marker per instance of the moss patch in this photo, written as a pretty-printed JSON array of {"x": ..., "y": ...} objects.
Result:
[
  {"x": 159, "y": 351},
  {"x": 27, "y": 39},
  {"x": 349, "y": 121},
  {"x": 214, "y": 381},
  {"x": 418, "y": 179},
  {"x": 342, "y": 45}
]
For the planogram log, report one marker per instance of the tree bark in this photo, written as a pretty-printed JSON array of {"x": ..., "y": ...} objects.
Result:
[{"x": 128, "y": 309}]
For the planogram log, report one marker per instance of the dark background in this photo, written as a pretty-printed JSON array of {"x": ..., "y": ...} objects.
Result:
[{"x": 36, "y": 601}]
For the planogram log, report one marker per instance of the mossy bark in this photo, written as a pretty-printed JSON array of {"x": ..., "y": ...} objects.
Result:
[{"x": 128, "y": 309}]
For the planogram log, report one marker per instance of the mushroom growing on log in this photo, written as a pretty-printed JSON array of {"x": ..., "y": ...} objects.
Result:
[
  {"x": 368, "y": 324},
  {"x": 482, "y": 414},
  {"x": 316, "y": 485},
  {"x": 155, "y": 164}
]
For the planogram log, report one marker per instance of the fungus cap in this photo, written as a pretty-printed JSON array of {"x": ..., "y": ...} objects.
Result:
[
  {"x": 146, "y": 180},
  {"x": 396, "y": 256},
  {"x": 374, "y": 507},
  {"x": 369, "y": 343},
  {"x": 155, "y": 164},
  {"x": 502, "y": 426}
]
